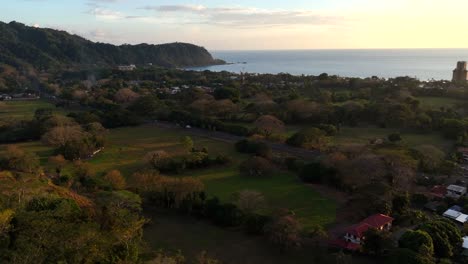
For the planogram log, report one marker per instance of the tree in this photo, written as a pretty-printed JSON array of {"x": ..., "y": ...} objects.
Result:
[
  {"x": 116, "y": 179},
  {"x": 20, "y": 160},
  {"x": 401, "y": 167},
  {"x": 223, "y": 108},
  {"x": 258, "y": 148},
  {"x": 430, "y": 157},
  {"x": 310, "y": 138},
  {"x": 203, "y": 258},
  {"x": 268, "y": 124},
  {"x": 158, "y": 158},
  {"x": 376, "y": 241},
  {"x": 284, "y": 231},
  {"x": 394, "y": 137},
  {"x": 226, "y": 93},
  {"x": 400, "y": 203},
  {"x": 454, "y": 128},
  {"x": 187, "y": 143},
  {"x": 419, "y": 241},
  {"x": 445, "y": 235},
  {"x": 61, "y": 135},
  {"x": 250, "y": 201},
  {"x": 5, "y": 221},
  {"x": 144, "y": 181},
  {"x": 125, "y": 95},
  {"x": 257, "y": 167},
  {"x": 407, "y": 256},
  {"x": 58, "y": 162},
  {"x": 145, "y": 106},
  {"x": 316, "y": 172}
]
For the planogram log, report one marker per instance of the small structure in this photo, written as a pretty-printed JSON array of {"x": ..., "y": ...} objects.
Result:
[
  {"x": 130, "y": 67},
  {"x": 455, "y": 191},
  {"x": 460, "y": 74},
  {"x": 432, "y": 206},
  {"x": 465, "y": 246}
]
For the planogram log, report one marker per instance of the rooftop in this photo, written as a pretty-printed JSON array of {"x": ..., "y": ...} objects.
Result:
[{"x": 456, "y": 188}]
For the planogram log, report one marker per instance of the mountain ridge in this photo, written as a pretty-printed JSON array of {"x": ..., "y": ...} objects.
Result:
[{"x": 46, "y": 48}]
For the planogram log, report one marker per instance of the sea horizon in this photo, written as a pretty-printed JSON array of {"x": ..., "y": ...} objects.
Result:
[{"x": 420, "y": 63}]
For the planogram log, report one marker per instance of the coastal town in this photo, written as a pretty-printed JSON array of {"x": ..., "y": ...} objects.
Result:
[{"x": 165, "y": 154}]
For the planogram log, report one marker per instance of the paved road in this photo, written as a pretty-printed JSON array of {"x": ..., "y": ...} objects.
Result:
[{"x": 222, "y": 136}]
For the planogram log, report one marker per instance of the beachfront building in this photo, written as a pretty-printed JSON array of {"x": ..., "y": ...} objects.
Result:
[{"x": 460, "y": 74}]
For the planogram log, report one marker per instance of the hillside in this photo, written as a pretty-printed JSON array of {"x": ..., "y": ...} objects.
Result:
[{"x": 47, "y": 48}]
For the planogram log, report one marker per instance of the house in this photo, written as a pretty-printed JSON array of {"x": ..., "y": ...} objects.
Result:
[
  {"x": 455, "y": 214},
  {"x": 455, "y": 191},
  {"x": 355, "y": 234},
  {"x": 438, "y": 191},
  {"x": 433, "y": 206},
  {"x": 465, "y": 246},
  {"x": 130, "y": 67}
]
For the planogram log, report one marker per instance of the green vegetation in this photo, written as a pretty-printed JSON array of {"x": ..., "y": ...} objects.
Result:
[
  {"x": 438, "y": 102},
  {"x": 22, "y": 110},
  {"x": 45, "y": 48},
  {"x": 295, "y": 169},
  {"x": 125, "y": 152},
  {"x": 364, "y": 135}
]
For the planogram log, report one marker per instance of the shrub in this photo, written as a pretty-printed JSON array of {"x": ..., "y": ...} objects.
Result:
[
  {"x": 116, "y": 180},
  {"x": 316, "y": 172},
  {"x": 255, "y": 224},
  {"x": 254, "y": 147},
  {"x": 330, "y": 130},
  {"x": 394, "y": 137},
  {"x": 257, "y": 167},
  {"x": 311, "y": 138}
]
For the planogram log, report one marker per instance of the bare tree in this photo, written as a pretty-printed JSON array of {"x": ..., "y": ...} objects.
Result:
[
  {"x": 125, "y": 95},
  {"x": 250, "y": 201},
  {"x": 268, "y": 124}
]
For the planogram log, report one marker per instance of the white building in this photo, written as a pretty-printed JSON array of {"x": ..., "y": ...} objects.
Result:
[
  {"x": 130, "y": 67},
  {"x": 455, "y": 191},
  {"x": 455, "y": 215}
]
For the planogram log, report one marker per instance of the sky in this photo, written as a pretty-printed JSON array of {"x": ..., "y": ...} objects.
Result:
[{"x": 254, "y": 25}]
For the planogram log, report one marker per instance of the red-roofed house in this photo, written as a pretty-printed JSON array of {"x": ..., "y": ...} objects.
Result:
[
  {"x": 355, "y": 233},
  {"x": 439, "y": 191}
]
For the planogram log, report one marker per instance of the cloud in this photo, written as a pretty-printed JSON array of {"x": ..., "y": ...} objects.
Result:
[
  {"x": 105, "y": 14},
  {"x": 243, "y": 16}
]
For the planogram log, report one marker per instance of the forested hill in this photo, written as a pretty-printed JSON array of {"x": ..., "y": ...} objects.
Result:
[{"x": 47, "y": 48}]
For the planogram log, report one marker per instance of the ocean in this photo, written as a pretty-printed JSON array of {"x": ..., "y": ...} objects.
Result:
[{"x": 424, "y": 64}]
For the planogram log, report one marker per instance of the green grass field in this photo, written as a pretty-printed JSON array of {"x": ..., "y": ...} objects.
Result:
[
  {"x": 192, "y": 236},
  {"x": 365, "y": 134},
  {"x": 438, "y": 102},
  {"x": 127, "y": 147},
  {"x": 22, "y": 110}
]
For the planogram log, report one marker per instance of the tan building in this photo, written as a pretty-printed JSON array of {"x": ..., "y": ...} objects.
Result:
[{"x": 460, "y": 74}]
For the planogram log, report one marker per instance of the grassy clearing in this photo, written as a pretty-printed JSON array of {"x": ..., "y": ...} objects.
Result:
[
  {"x": 22, "y": 110},
  {"x": 438, "y": 102},
  {"x": 365, "y": 134},
  {"x": 229, "y": 246},
  {"x": 127, "y": 147}
]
